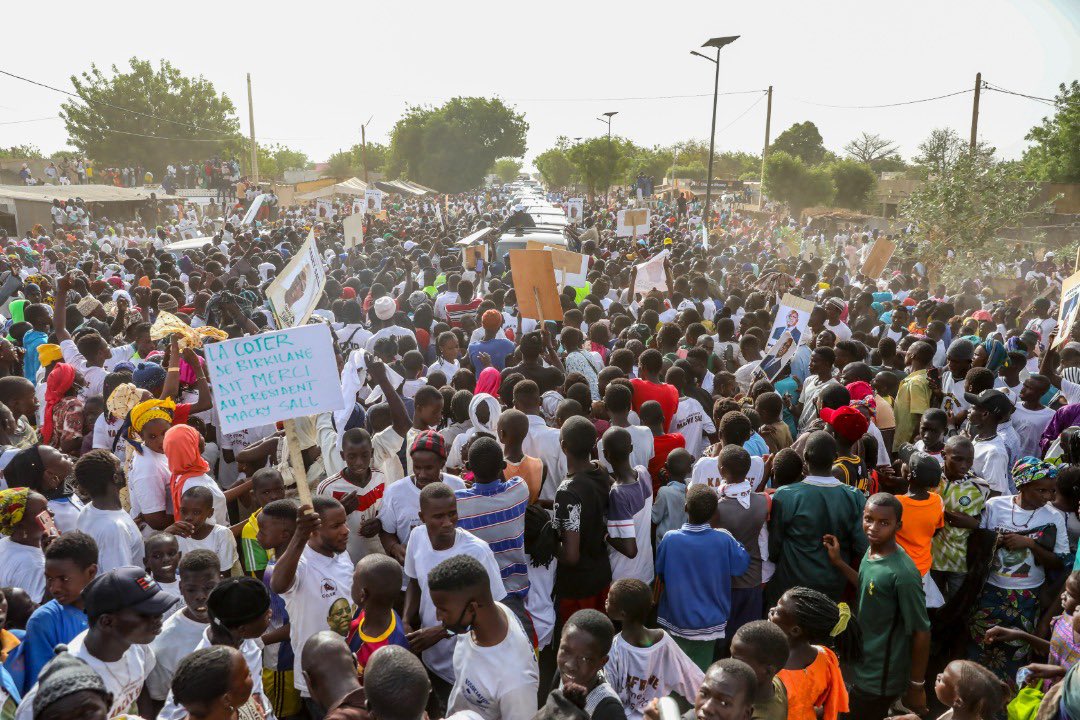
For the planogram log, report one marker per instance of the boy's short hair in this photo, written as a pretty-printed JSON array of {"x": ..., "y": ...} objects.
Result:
[
  {"x": 385, "y": 570},
  {"x": 633, "y": 598},
  {"x": 436, "y": 491},
  {"x": 767, "y": 643},
  {"x": 96, "y": 470},
  {"x": 701, "y": 502},
  {"x": 457, "y": 573},
  {"x": 787, "y": 467},
  {"x": 888, "y": 500},
  {"x": 267, "y": 475},
  {"x": 322, "y": 504},
  {"x": 743, "y": 673},
  {"x": 426, "y": 395},
  {"x": 596, "y": 624},
  {"x": 199, "y": 560},
  {"x": 198, "y": 492},
  {"x": 735, "y": 428},
  {"x": 284, "y": 509},
  {"x": 76, "y": 546},
  {"x": 355, "y": 436},
  {"x": 485, "y": 457},
  {"x": 578, "y": 436},
  {"x": 736, "y": 460},
  {"x": 770, "y": 403}
]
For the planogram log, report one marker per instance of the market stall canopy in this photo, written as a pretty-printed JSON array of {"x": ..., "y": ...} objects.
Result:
[
  {"x": 352, "y": 186},
  {"x": 404, "y": 187},
  {"x": 189, "y": 244},
  {"x": 89, "y": 193}
]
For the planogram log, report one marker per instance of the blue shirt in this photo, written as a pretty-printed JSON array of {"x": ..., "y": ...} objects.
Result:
[
  {"x": 700, "y": 562},
  {"x": 495, "y": 513},
  {"x": 498, "y": 348},
  {"x": 50, "y": 625},
  {"x": 756, "y": 446},
  {"x": 31, "y": 362}
]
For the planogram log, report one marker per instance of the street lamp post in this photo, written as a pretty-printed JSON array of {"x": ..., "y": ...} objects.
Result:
[
  {"x": 718, "y": 43},
  {"x": 607, "y": 190}
]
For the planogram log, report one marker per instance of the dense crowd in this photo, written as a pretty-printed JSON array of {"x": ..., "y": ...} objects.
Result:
[{"x": 648, "y": 506}]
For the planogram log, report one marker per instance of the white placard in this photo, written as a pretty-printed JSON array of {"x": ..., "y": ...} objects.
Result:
[
  {"x": 249, "y": 217},
  {"x": 651, "y": 275},
  {"x": 324, "y": 209},
  {"x": 260, "y": 379},
  {"x": 575, "y": 210},
  {"x": 632, "y": 222},
  {"x": 295, "y": 292},
  {"x": 353, "y": 226},
  {"x": 373, "y": 200}
]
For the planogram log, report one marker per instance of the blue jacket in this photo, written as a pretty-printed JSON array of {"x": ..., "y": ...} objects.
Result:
[{"x": 49, "y": 625}]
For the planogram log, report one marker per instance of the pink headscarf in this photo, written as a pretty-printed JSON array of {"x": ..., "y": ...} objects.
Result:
[{"x": 489, "y": 382}]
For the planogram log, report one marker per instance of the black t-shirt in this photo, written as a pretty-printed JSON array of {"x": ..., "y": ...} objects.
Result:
[{"x": 581, "y": 505}]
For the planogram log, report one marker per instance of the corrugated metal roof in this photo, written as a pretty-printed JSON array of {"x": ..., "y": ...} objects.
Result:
[{"x": 89, "y": 193}]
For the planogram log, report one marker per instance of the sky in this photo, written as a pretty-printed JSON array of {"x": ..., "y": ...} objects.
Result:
[{"x": 320, "y": 71}]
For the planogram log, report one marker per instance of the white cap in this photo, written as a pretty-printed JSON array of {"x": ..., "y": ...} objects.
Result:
[{"x": 385, "y": 308}]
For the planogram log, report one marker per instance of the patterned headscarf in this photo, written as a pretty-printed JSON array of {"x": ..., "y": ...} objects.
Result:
[
  {"x": 996, "y": 355},
  {"x": 12, "y": 508},
  {"x": 61, "y": 378},
  {"x": 1030, "y": 469},
  {"x": 122, "y": 400}
]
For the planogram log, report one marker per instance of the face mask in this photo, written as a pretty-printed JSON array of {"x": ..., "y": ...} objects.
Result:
[{"x": 460, "y": 627}]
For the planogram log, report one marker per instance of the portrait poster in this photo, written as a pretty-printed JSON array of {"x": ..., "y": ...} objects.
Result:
[
  {"x": 373, "y": 200},
  {"x": 792, "y": 317},
  {"x": 575, "y": 210},
  {"x": 778, "y": 357},
  {"x": 1070, "y": 297},
  {"x": 295, "y": 293}
]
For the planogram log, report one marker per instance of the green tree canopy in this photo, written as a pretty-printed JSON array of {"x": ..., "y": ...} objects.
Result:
[
  {"x": 554, "y": 166},
  {"x": 274, "y": 160},
  {"x": 790, "y": 180},
  {"x": 854, "y": 182},
  {"x": 601, "y": 161},
  {"x": 451, "y": 147},
  {"x": 20, "y": 152},
  {"x": 803, "y": 141},
  {"x": 149, "y": 115},
  {"x": 507, "y": 169},
  {"x": 654, "y": 162},
  {"x": 1055, "y": 155}
]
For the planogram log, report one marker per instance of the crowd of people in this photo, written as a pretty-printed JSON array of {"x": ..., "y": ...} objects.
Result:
[
  {"x": 209, "y": 174},
  {"x": 634, "y": 510}
]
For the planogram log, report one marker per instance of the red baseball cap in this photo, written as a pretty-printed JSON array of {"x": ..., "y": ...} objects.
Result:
[{"x": 846, "y": 421}]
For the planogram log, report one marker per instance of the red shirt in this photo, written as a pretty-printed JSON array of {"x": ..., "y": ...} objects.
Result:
[
  {"x": 662, "y": 447},
  {"x": 456, "y": 312},
  {"x": 665, "y": 394}
]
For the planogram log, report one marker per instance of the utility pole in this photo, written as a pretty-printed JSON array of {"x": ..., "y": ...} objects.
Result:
[
  {"x": 718, "y": 43},
  {"x": 975, "y": 113},
  {"x": 251, "y": 125},
  {"x": 764, "y": 151},
  {"x": 363, "y": 150}
]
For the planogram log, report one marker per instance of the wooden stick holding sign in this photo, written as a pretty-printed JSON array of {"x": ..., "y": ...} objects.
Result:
[
  {"x": 534, "y": 284},
  {"x": 296, "y": 463}
]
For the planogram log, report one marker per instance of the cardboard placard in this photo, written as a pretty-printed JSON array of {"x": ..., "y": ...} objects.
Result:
[
  {"x": 632, "y": 222},
  {"x": 353, "y": 225},
  {"x": 471, "y": 253},
  {"x": 1067, "y": 309},
  {"x": 879, "y": 257},
  {"x": 571, "y": 268},
  {"x": 260, "y": 379},
  {"x": 534, "y": 285},
  {"x": 792, "y": 317},
  {"x": 295, "y": 292}
]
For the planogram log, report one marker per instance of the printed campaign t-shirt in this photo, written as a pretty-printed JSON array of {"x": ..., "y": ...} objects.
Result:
[
  {"x": 629, "y": 515},
  {"x": 319, "y": 598},
  {"x": 638, "y": 675},
  {"x": 693, "y": 423},
  {"x": 1017, "y": 569}
]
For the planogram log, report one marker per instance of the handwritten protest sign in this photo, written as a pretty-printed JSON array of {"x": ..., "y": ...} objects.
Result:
[
  {"x": 260, "y": 379},
  {"x": 879, "y": 257},
  {"x": 295, "y": 292}
]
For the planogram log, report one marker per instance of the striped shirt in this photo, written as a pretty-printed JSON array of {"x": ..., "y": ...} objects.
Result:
[{"x": 495, "y": 513}]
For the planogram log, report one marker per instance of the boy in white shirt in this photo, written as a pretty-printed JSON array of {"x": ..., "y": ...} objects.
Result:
[
  {"x": 196, "y": 509},
  {"x": 99, "y": 474}
]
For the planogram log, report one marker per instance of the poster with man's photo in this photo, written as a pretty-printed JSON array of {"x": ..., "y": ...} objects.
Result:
[
  {"x": 575, "y": 210},
  {"x": 793, "y": 318},
  {"x": 373, "y": 200},
  {"x": 778, "y": 357},
  {"x": 295, "y": 292},
  {"x": 1070, "y": 299}
]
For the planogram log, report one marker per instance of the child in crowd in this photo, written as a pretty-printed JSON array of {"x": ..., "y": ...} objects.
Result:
[
  {"x": 376, "y": 590},
  {"x": 924, "y": 515},
  {"x": 267, "y": 485},
  {"x": 161, "y": 552},
  {"x": 277, "y": 524},
  {"x": 196, "y": 508},
  {"x": 629, "y": 511},
  {"x": 359, "y": 488},
  {"x": 770, "y": 409},
  {"x": 644, "y": 663},
  {"x": 933, "y": 425},
  {"x": 182, "y": 632},
  {"x": 764, "y": 647},
  {"x": 847, "y": 425},
  {"x": 513, "y": 428},
  {"x": 583, "y": 652},
  {"x": 700, "y": 562},
  {"x": 427, "y": 415},
  {"x": 669, "y": 507},
  {"x": 119, "y": 541},
  {"x": 447, "y": 351},
  {"x": 652, "y": 417}
]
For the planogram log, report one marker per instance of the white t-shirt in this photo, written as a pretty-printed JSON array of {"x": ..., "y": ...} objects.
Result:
[
  {"x": 420, "y": 558},
  {"x": 148, "y": 483},
  {"x": 221, "y": 511},
  {"x": 65, "y": 510},
  {"x": 643, "y": 452},
  {"x": 369, "y": 498},
  {"x": 543, "y": 442},
  {"x": 841, "y": 330},
  {"x": 118, "y": 539},
  {"x": 992, "y": 463},
  {"x": 220, "y": 541},
  {"x": 497, "y": 682},
  {"x": 707, "y": 471},
  {"x": 638, "y": 675},
  {"x": 123, "y": 679},
  {"x": 693, "y": 423},
  {"x": 384, "y": 454},
  {"x": 22, "y": 566},
  {"x": 400, "y": 511},
  {"x": 1016, "y": 569},
  {"x": 540, "y": 603},
  {"x": 1029, "y": 426},
  {"x": 178, "y": 638},
  {"x": 318, "y": 599},
  {"x": 622, "y": 499}
]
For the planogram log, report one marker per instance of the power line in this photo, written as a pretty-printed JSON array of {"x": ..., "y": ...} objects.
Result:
[
  {"x": 887, "y": 105},
  {"x": 18, "y": 122},
  {"x": 640, "y": 97},
  {"x": 740, "y": 115},
  {"x": 995, "y": 88}
]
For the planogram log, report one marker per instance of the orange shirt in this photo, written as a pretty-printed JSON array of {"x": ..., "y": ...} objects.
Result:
[
  {"x": 531, "y": 470},
  {"x": 921, "y": 520},
  {"x": 818, "y": 685}
]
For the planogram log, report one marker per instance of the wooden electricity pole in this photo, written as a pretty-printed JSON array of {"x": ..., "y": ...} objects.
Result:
[
  {"x": 764, "y": 151},
  {"x": 251, "y": 126},
  {"x": 975, "y": 113}
]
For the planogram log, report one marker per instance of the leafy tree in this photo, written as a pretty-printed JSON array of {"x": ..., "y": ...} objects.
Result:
[
  {"x": 554, "y": 166},
  {"x": 734, "y": 164},
  {"x": 854, "y": 183},
  {"x": 274, "y": 160},
  {"x": 147, "y": 115},
  {"x": 507, "y": 169},
  {"x": 61, "y": 155},
  {"x": 939, "y": 151},
  {"x": 340, "y": 165},
  {"x": 599, "y": 161},
  {"x": 868, "y": 148},
  {"x": 21, "y": 152},
  {"x": 801, "y": 140},
  {"x": 964, "y": 208},
  {"x": 691, "y": 172},
  {"x": 790, "y": 180},
  {"x": 1055, "y": 156},
  {"x": 652, "y": 162},
  {"x": 451, "y": 147}
]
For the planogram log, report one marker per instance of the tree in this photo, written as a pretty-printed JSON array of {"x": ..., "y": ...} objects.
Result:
[
  {"x": 451, "y": 147},
  {"x": 854, "y": 182},
  {"x": 803, "y": 141},
  {"x": 789, "y": 179},
  {"x": 21, "y": 152},
  {"x": 555, "y": 168},
  {"x": 599, "y": 161},
  {"x": 274, "y": 160},
  {"x": 964, "y": 208},
  {"x": 868, "y": 148},
  {"x": 149, "y": 116},
  {"x": 507, "y": 169},
  {"x": 650, "y": 162},
  {"x": 939, "y": 151},
  {"x": 340, "y": 165},
  {"x": 1055, "y": 156}
]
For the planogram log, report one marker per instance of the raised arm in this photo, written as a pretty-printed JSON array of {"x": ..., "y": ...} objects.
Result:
[
  {"x": 399, "y": 416},
  {"x": 60, "y": 308},
  {"x": 285, "y": 569}
]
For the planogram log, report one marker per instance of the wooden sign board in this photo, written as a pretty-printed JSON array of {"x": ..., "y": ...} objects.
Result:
[
  {"x": 571, "y": 268},
  {"x": 879, "y": 257},
  {"x": 534, "y": 284},
  {"x": 470, "y": 253},
  {"x": 1070, "y": 303},
  {"x": 632, "y": 222}
]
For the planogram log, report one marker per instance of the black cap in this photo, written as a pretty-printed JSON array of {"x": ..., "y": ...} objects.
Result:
[
  {"x": 236, "y": 601},
  {"x": 993, "y": 401},
  {"x": 126, "y": 588}
]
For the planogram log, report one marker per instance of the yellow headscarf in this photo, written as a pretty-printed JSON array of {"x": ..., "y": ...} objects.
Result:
[
  {"x": 49, "y": 353},
  {"x": 149, "y": 410},
  {"x": 12, "y": 508}
]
